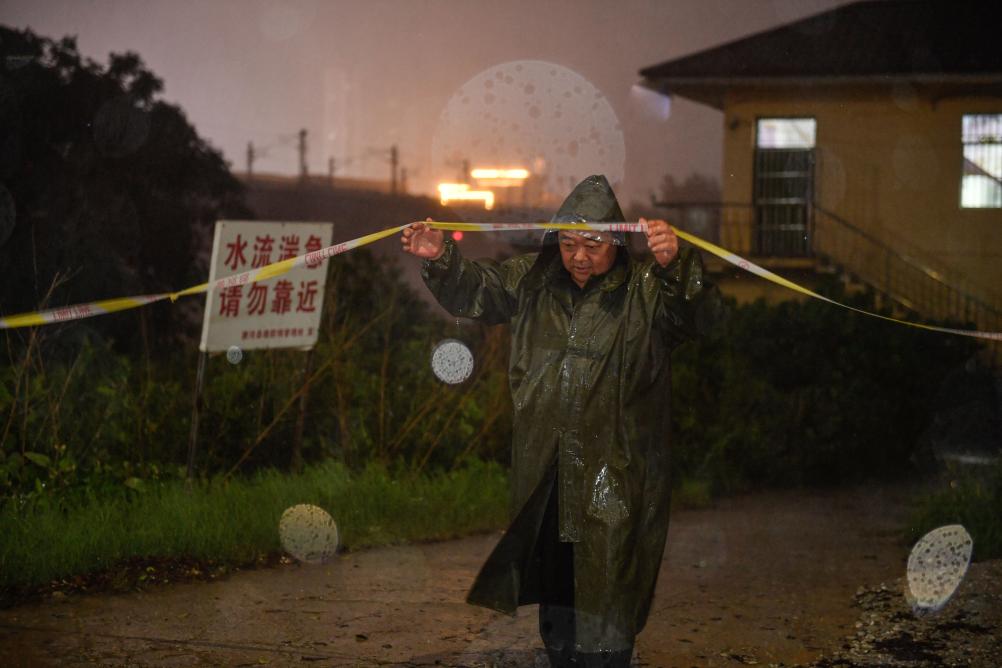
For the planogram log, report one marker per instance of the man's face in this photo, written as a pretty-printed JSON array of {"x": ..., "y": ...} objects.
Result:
[{"x": 584, "y": 258}]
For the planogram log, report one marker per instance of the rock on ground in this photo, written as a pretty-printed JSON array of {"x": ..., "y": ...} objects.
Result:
[{"x": 966, "y": 632}]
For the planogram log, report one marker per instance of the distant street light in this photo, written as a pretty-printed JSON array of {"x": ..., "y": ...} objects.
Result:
[
  {"x": 461, "y": 191},
  {"x": 482, "y": 173}
]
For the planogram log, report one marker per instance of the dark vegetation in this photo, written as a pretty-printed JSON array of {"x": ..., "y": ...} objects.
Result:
[
  {"x": 807, "y": 393},
  {"x": 113, "y": 191},
  {"x": 104, "y": 419},
  {"x": 970, "y": 498}
]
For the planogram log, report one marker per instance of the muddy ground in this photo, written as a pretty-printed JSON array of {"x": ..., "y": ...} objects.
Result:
[{"x": 775, "y": 578}]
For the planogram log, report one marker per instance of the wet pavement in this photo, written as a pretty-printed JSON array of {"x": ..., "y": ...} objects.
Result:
[{"x": 771, "y": 578}]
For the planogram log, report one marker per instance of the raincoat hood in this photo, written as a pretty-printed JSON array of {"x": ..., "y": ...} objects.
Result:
[{"x": 591, "y": 201}]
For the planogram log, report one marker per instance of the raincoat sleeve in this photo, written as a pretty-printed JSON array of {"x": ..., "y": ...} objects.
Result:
[
  {"x": 689, "y": 305},
  {"x": 481, "y": 289}
]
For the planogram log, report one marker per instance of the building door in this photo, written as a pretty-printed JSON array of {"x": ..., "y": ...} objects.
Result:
[{"x": 784, "y": 186}]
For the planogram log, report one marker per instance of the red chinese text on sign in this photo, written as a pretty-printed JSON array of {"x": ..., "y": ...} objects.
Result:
[
  {"x": 236, "y": 253},
  {"x": 262, "y": 250},
  {"x": 313, "y": 244},
  {"x": 278, "y": 311},
  {"x": 282, "y": 301},
  {"x": 289, "y": 247},
  {"x": 306, "y": 294},
  {"x": 229, "y": 301},
  {"x": 257, "y": 299}
]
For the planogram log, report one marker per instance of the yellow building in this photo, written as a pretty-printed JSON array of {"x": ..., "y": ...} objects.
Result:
[{"x": 866, "y": 140}]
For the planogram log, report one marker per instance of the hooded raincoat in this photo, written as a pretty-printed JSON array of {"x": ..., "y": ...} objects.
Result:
[{"x": 589, "y": 375}]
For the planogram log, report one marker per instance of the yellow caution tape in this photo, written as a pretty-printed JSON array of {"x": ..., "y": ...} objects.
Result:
[
  {"x": 281, "y": 267},
  {"x": 78, "y": 311},
  {"x": 90, "y": 309},
  {"x": 722, "y": 253},
  {"x": 753, "y": 268}
]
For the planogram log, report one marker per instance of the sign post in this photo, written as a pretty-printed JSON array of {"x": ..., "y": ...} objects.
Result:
[
  {"x": 296, "y": 461},
  {"x": 196, "y": 410},
  {"x": 280, "y": 312}
]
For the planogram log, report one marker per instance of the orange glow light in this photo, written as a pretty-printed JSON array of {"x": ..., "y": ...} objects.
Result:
[
  {"x": 460, "y": 191},
  {"x": 517, "y": 174}
]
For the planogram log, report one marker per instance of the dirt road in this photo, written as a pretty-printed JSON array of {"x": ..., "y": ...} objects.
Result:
[{"x": 764, "y": 578}]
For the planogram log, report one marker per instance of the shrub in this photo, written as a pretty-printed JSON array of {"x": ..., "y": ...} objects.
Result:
[
  {"x": 74, "y": 411},
  {"x": 806, "y": 393},
  {"x": 971, "y": 498}
]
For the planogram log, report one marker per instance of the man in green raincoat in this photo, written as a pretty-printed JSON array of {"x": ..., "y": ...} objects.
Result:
[{"x": 592, "y": 331}]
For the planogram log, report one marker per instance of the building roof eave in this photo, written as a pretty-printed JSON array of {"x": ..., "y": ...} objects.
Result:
[
  {"x": 660, "y": 84},
  {"x": 711, "y": 96},
  {"x": 864, "y": 38},
  {"x": 711, "y": 91}
]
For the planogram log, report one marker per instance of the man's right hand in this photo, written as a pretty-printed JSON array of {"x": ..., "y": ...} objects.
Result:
[{"x": 420, "y": 240}]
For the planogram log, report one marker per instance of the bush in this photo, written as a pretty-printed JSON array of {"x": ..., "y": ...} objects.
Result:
[
  {"x": 74, "y": 412},
  {"x": 806, "y": 393},
  {"x": 971, "y": 498},
  {"x": 792, "y": 394}
]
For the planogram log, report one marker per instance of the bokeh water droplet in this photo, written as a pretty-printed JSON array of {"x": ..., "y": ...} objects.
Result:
[
  {"x": 936, "y": 566},
  {"x": 531, "y": 112},
  {"x": 234, "y": 354},
  {"x": 308, "y": 533},
  {"x": 452, "y": 361}
]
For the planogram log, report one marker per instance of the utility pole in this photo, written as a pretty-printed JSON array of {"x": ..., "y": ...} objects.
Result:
[
  {"x": 302, "y": 155},
  {"x": 330, "y": 170},
  {"x": 465, "y": 176},
  {"x": 250, "y": 159},
  {"x": 394, "y": 161}
]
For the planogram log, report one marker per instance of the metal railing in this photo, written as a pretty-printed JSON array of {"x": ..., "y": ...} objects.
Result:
[
  {"x": 920, "y": 284},
  {"x": 895, "y": 269}
]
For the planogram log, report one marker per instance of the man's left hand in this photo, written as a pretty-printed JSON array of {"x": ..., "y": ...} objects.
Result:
[{"x": 662, "y": 241}]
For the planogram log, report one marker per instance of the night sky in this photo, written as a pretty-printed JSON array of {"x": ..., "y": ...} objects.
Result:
[{"x": 549, "y": 84}]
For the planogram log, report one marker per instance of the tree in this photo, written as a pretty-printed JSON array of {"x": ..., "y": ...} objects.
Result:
[{"x": 110, "y": 185}]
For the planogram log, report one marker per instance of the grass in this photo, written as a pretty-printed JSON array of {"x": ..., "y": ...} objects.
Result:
[
  {"x": 973, "y": 500},
  {"x": 236, "y": 521}
]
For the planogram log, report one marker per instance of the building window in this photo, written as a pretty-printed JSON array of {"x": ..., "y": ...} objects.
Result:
[
  {"x": 785, "y": 133},
  {"x": 981, "y": 182}
]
